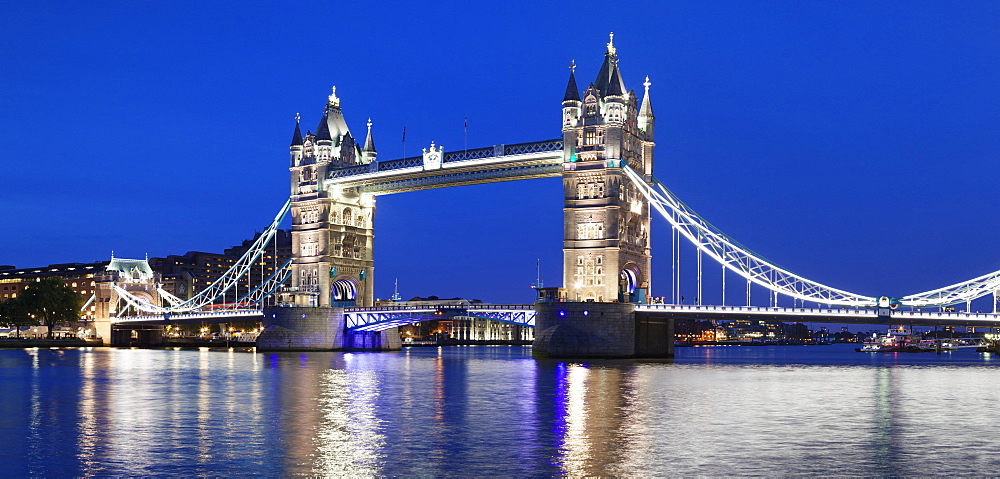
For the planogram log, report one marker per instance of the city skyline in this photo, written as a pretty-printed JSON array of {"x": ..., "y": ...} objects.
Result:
[{"x": 849, "y": 143}]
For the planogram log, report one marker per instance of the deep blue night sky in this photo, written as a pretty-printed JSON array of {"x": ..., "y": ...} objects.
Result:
[{"x": 852, "y": 142}]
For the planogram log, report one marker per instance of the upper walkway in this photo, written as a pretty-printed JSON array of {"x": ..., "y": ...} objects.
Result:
[{"x": 521, "y": 161}]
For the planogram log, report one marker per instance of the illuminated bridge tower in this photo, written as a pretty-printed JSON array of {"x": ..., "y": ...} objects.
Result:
[
  {"x": 137, "y": 278},
  {"x": 606, "y": 252},
  {"x": 606, "y": 249},
  {"x": 332, "y": 228}
]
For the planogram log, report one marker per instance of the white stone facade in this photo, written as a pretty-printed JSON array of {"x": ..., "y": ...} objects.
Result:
[{"x": 606, "y": 249}]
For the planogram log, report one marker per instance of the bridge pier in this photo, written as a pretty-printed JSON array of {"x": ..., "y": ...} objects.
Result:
[
  {"x": 319, "y": 329},
  {"x": 134, "y": 335},
  {"x": 102, "y": 328},
  {"x": 600, "y": 330}
]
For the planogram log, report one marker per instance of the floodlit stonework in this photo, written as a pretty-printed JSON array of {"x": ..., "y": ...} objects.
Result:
[
  {"x": 332, "y": 228},
  {"x": 606, "y": 249}
]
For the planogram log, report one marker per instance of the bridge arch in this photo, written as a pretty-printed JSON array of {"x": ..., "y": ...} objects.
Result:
[
  {"x": 344, "y": 289},
  {"x": 630, "y": 278}
]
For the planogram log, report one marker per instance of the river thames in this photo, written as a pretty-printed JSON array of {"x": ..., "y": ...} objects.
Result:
[{"x": 496, "y": 411}]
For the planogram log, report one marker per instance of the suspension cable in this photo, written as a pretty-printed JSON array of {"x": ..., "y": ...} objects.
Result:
[{"x": 736, "y": 257}]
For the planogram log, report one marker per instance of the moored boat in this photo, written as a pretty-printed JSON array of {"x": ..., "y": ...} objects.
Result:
[{"x": 897, "y": 339}]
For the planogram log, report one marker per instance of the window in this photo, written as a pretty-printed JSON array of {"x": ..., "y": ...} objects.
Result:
[
  {"x": 589, "y": 231},
  {"x": 310, "y": 216},
  {"x": 310, "y": 247}
]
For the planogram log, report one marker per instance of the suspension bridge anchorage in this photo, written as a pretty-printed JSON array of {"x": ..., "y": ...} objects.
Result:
[{"x": 127, "y": 301}]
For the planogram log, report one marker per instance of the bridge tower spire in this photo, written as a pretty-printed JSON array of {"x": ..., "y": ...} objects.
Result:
[
  {"x": 606, "y": 249},
  {"x": 368, "y": 153},
  {"x": 295, "y": 149},
  {"x": 332, "y": 228}
]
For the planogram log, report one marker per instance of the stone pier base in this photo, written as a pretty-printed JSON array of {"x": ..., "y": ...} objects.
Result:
[
  {"x": 135, "y": 335},
  {"x": 599, "y": 330},
  {"x": 103, "y": 330},
  {"x": 318, "y": 329}
]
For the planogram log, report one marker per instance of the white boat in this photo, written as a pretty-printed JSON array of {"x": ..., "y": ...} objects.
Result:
[
  {"x": 870, "y": 347},
  {"x": 897, "y": 339}
]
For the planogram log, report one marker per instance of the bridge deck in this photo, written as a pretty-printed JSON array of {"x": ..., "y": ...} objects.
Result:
[
  {"x": 210, "y": 317},
  {"x": 385, "y": 317},
  {"x": 819, "y": 315}
]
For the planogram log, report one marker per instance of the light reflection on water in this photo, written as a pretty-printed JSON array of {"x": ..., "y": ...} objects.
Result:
[{"x": 495, "y": 411}]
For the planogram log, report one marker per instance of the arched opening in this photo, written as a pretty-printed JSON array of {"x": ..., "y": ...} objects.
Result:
[
  {"x": 629, "y": 281},
  {"x": 343, "y": 290}
]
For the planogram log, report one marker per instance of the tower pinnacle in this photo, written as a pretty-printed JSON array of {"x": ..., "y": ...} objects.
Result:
[
  {"x": 369, "y": 142},
  {"x": 611, "y": 44},
  {"x": 572, "y": 92},
  {"x": 297, "y": 134},
  {"x": 332, "y": 100}
]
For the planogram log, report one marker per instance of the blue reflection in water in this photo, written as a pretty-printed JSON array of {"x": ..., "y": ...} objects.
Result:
[
  {"x": 559, "y": 425},
  {"x": 496, "y": 411}
]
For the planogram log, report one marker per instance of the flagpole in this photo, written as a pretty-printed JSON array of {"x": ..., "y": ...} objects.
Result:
[
  {"x": 466, "y": 125},
  {"x": 404, "y": 141}
]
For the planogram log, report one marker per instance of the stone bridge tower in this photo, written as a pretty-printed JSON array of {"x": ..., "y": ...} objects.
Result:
[
  {"x": 606, "y": 249},
  {"x": 332, "y": 228},
  {"x": 137, "y": 278}
]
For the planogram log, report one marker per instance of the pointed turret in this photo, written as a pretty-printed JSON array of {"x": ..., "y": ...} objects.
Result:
[
  {"x": 646, "y": 117},
  {"x": 295, "y": 149},
  {"x": 614, "y": 97},
  {"x": 323, "y": 130},
  {"x": 324, "y": 142},
  {"x": 572, "y": 92},
  {"x": 605, "y": 77},
  {"x": 368, "y": 153},
  {"x": 571, "y": 101},
  {"x": 297, "y": 134},
  {"x": 616, "y": 87},
  {"x": 335, "y": 124}
]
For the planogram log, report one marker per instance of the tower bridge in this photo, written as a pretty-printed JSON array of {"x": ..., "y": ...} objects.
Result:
[{"x": 605, "y": 159}]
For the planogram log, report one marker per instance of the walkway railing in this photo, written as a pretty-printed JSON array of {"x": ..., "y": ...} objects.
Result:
[
  {"x": 896, "y": 315},
  {"x": 235, "y": 314},
  {"x": 496, "y": 153}
]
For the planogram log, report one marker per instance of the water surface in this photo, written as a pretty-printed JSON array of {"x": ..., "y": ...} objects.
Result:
[{"x": 475, "y": 411}]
